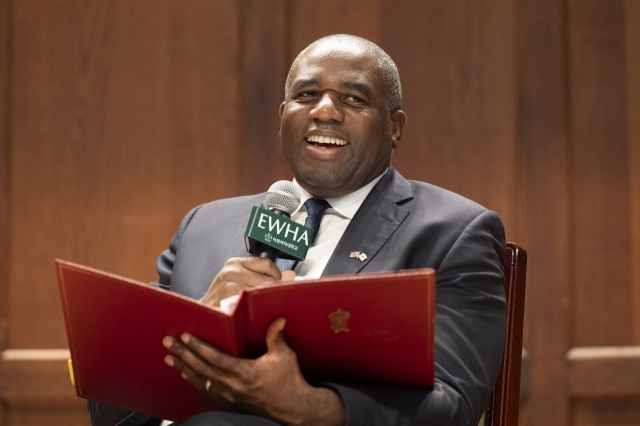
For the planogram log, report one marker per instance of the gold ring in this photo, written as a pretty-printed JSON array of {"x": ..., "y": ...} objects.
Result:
[{"x": 208, "y": 385}]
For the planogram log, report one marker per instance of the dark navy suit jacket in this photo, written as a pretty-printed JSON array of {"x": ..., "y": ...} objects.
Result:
[{"x": 401, "y": 225}]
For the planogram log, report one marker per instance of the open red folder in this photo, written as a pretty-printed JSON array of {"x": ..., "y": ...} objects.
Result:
[{"x": 366, "y": 328}]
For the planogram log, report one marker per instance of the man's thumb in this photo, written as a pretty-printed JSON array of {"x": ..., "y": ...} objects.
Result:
[
  {"x": 288, "y": 275},
  {"x": 275, "y": 338}
]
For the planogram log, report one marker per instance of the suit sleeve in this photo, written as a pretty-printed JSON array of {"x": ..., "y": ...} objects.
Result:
[
  {"x": 469, "y": 338},
  {"x": 165, "y": 262},
  {"x": 108, "y": 415}
]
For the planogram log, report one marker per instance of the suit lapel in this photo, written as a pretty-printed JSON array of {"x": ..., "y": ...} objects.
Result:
[{"x": 376, "y": 220}]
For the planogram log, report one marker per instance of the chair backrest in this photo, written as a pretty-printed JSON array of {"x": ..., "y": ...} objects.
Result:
[{"x": 505, "y": 401}]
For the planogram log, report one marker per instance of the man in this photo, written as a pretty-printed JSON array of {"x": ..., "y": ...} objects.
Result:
[{"x": 340, "y": 122}]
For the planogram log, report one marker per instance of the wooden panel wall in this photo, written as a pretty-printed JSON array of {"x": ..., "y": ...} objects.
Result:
[
  {"x": 459, "y": 79},
  {"x": 124, "y": 116},
  {"x": 580, "y": 143},
  {"x": 117, "y": 117},
  {"x": 5, "y": 82},
  {"x": 600, "y": 174},
  {"x": 5, "y": 13},
  {"x": 265, "y": 66},
  {"x": 546, "y": 206},
  {"x": 632, "y": 61},
  {"x": 603, "y": 143}
]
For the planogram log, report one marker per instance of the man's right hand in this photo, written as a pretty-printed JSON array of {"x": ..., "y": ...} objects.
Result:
[{"x": 243, "y": 272}]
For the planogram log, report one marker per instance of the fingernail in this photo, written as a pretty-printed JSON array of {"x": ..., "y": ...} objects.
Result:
[
  {"x": 184, "y": 376},
  {"x": 185, "y": 337},
  {"x": 168, "y": 360},
  {"x": 167, "y": 341}
]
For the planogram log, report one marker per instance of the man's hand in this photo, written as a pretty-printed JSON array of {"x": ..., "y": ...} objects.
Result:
[
  {"x": 270, "y": 386},
  {"x": 243, "y": 272}
]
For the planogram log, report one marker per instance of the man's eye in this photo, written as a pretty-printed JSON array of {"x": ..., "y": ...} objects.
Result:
[
  {"x": 352, "y": 98},
  {"x": 307, "y": 94}
]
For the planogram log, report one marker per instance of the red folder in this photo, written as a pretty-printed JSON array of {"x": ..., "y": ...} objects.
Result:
[{"x": 366, "y": 328}]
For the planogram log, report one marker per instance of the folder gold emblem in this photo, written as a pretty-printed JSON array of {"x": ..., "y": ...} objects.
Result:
[{"x": 339, "y": 320}]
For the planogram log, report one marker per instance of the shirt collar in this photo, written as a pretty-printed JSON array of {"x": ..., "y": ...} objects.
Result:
[{"x": 347, "y": 205}]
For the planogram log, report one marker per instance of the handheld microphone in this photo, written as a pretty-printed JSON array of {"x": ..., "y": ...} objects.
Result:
[{"x": 283, "y": 198}]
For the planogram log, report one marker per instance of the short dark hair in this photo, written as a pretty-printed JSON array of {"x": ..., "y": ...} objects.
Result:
[{"x": 390, "y": 74}]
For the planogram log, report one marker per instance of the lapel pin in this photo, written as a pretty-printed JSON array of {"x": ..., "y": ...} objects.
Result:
[{"x": 358, "y": 255}]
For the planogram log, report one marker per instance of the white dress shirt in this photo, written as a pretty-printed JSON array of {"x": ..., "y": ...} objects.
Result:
[{"x": 334, "y": 223}]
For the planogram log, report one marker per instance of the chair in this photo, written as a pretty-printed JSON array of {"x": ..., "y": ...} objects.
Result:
[{"x": 505, "y": 400}]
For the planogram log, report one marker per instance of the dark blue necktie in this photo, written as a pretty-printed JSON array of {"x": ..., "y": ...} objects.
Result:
[{"x": 315, "y": 210}]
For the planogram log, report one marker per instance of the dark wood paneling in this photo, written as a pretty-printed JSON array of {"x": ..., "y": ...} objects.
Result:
[
  {"x": 632, "y": 30},
  {"x": 205, "y": 102},
  {"x": 5, "y": 140},
  {"x": 36, "y": 389},
  {"x": 546, "y": 206},
  {"x": 606, "y": 413},
  {"x": 37, "y": 379},
  {"x": 604, "y": 372},
  {"x": 124, "y": 116},
  {"x": 5, "y": 20},
  {"x": 458, "y": 69},
  {"x": 264, "y": 71},
  {"x": 309, "y": 20},
  {"x": 600, "y": 173},
  {"x": 48, "y": 416}
]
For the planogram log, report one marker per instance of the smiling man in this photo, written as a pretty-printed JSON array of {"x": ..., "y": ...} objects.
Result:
[
  {"x": 338, "y": 90},
  {"x": 340, "y": 122}
]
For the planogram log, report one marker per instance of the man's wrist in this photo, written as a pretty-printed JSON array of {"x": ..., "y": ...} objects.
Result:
[
  {"x": 332, "y": 409},
  {"x": 322, "y": 407}
]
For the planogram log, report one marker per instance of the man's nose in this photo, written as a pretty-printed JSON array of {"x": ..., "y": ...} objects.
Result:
[{"x": 328, "y": 108}]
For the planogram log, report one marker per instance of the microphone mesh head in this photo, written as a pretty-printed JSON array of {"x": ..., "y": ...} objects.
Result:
[{"x": 283, "y": 195}]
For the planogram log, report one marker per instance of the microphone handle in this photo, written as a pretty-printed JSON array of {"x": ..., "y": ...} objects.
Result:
[{"x": 265, "y": 251}]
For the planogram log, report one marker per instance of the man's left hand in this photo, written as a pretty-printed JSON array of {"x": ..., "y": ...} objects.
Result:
[{"x": 271, "y": 386}]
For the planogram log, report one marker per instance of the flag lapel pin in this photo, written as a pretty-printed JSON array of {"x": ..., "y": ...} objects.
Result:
[{"x": 358, "y": 255}]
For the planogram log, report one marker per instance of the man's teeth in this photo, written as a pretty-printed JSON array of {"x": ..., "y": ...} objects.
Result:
[{"x": 326, "y": 139}]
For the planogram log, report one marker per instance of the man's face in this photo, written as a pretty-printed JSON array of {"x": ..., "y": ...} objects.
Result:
[{"x": 335, "y": 130}]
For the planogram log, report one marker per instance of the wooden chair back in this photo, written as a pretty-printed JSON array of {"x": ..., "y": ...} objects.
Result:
[{"x": 504, "y": 404}]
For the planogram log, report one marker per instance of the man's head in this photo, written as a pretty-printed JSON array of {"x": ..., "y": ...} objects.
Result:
[{"x": 341, "y": 117}]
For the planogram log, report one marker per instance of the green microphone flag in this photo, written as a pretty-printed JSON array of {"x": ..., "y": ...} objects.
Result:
[{"x": 279, "y": 232}]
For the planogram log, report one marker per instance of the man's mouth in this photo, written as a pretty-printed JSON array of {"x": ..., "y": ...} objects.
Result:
[{"x": 325, "y": 141}]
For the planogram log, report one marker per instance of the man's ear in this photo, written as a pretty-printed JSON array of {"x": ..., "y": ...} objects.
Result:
[
  {"x": 281, "y": 110},
  {"x": 398, "y": 123}
]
